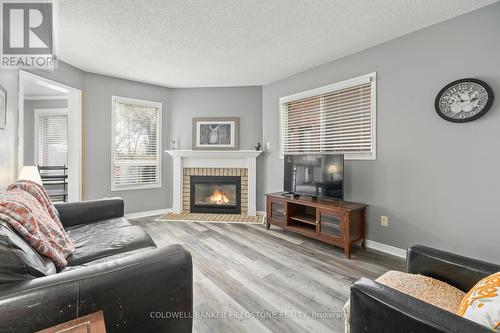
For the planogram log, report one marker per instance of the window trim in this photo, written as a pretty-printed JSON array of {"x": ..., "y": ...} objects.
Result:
[
  {"x": 37, "y": 113},
  {"x": 141, "y": 102},
  {"x": 371, "y": 77}
]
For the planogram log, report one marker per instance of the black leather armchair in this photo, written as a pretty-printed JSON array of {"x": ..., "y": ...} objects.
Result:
[
  {"x": 377, "y": 308},
  {"x": 115, "y": 268}
]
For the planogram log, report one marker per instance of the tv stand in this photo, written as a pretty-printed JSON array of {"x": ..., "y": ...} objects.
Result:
[
  {"x": 339, "y": 223},
  {"x": 295, "y": 195}
]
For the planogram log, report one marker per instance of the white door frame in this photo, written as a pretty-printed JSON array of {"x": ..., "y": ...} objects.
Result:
[{"x": 74, "y": 97}]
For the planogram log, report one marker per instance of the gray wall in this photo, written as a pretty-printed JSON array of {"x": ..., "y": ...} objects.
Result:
[
  {"x": 179, "y": 107},
  {"x": 97, "y": 92},
  {"x": 437, "y": 181},
  {"x": 243, "y": 102},
  {"x": 8, "y": 136},
  {"x": 97, "y": 100},
  {"x": 29, "y": 123}
]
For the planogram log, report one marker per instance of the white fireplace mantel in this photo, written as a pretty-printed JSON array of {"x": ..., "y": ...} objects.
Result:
[{"x": 214, "y": 159}]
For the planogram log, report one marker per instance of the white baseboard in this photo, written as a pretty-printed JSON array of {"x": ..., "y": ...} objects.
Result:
[
  {"x": 148, "y": 213},
  {"x": 395, "y": 251}
]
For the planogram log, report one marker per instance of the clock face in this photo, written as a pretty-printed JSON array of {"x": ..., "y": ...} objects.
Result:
[{"x": 464, "y": 100}]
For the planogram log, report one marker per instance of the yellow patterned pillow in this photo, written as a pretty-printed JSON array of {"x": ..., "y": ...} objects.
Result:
[{"x": 482, "y": 303}]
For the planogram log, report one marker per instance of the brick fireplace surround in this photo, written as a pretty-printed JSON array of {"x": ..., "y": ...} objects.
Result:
[{"x": 186, "y": 183}]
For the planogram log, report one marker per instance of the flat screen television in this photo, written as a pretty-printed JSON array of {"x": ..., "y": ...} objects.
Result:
[{"x": 316, "y": 175}]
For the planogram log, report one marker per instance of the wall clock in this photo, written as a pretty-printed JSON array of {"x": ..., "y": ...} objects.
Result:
[{"x": 464, "y": 100}]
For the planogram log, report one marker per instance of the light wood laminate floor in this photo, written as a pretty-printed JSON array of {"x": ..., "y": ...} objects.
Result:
[{"x": 248, "y": 279}]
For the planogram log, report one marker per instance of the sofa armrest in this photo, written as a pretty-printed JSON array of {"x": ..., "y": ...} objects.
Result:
[
  {"x": 82, "y": 212},
  {"x": 150, "y": 291},
  {"x": 378, "y": 308},
  {"x": 456, "y": 270}
]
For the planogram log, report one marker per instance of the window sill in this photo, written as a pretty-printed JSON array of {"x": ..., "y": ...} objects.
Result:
[{"x": 135, "y": 187}]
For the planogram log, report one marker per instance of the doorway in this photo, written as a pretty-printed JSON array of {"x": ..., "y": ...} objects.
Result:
[{"x": 50, "y": 134}]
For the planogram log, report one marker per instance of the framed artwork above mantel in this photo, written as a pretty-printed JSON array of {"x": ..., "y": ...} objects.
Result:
[{"x": 216, "y": 133}]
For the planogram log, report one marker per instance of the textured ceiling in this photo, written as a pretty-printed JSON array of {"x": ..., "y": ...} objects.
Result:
[{"x": 188, "y": 43}]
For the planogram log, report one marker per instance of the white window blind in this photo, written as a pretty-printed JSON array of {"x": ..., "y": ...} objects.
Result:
[
  {"x": 339, "y": 118},
  {"x": 136, "y": 144},
  {"x": 52, "y": 141}
]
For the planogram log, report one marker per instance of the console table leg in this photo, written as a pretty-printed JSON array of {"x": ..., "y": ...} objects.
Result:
[
  {"x": 363, "y": 244},
  {"x": 268, "y": 225}
]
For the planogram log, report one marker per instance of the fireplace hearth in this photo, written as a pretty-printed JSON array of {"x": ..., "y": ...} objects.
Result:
[{"x": 215, "y": 194}]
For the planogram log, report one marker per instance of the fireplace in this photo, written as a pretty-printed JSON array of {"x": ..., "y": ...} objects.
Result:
[{"x": 215, "y": 194}]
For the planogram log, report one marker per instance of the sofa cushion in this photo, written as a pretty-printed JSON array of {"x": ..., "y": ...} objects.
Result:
[
  {"x": 106, "y": 238},
  {"x": 108, "y": 259},
  {"x": 18, "y": 260},
  {"x": 101, "y": 225},
  {"x": 424, "y": 288},
  {"x": 90, "y": 211}
]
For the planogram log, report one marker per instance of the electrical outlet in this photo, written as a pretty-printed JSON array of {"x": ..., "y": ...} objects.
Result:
[{"x": 384, "y": 221}]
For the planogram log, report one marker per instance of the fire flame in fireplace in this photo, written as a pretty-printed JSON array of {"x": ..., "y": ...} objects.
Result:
[{"x": 218, "y": 198}]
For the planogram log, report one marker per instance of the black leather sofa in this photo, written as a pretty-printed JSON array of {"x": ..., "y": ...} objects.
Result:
[
  {"x": 377, "y": 308},
  {"x": 116, "y": 268}
]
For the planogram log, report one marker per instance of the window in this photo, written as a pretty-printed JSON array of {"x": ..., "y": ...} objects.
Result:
[
  {"x": 136, "y": 144},
  {"x": 339, "y": 118},
  {"x": 51, "y": 137}
]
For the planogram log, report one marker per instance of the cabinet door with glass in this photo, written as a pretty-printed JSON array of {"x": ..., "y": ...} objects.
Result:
[
  {"x": 276, "y": 212},
  {"x": 331, "y": 223}
]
